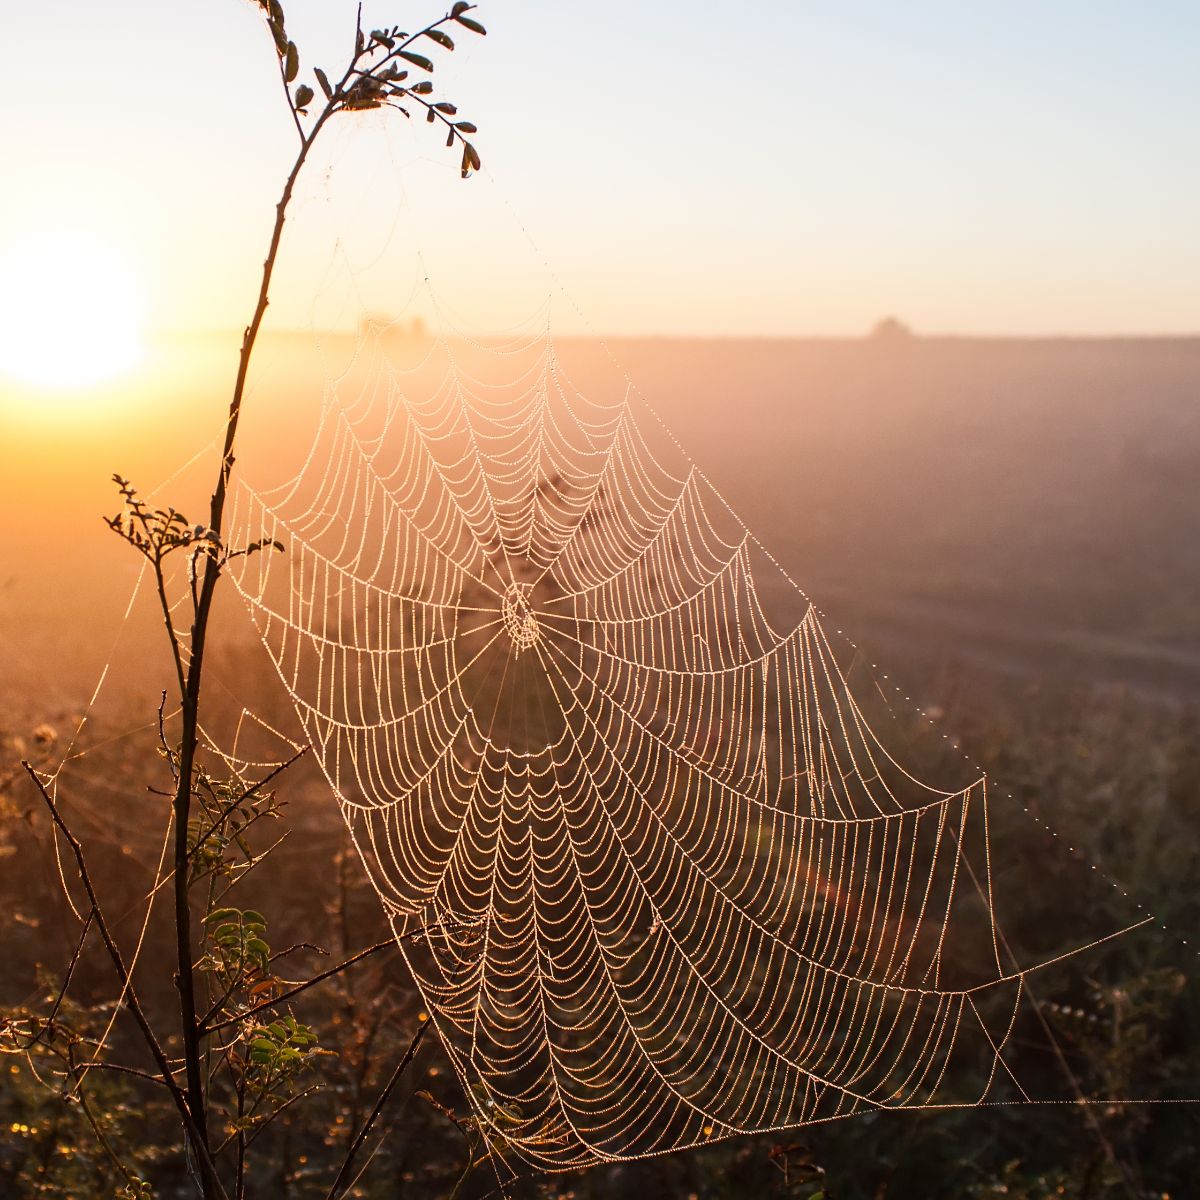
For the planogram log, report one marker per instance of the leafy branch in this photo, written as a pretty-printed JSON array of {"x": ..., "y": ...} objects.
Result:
[{"x": 381, "y": 73}]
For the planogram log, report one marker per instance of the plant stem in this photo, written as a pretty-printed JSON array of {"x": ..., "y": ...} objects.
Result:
[
  {"x": 210, "y": 1181},
  {"x": 343, "y": 1175},
  {"x": 190, "y": 699}
]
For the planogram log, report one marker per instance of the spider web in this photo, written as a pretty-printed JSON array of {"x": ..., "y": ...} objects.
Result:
[{"x": 667, "y": 884}]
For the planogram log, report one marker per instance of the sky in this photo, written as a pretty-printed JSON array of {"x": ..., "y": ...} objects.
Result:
[{"x": 660, "y": 169}]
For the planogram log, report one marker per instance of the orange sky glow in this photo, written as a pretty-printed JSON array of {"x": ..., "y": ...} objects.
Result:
[{"x": 681, "y": 169}]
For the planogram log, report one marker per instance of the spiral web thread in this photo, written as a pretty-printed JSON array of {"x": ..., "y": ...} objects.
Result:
[{"x": 672, "y": 885}]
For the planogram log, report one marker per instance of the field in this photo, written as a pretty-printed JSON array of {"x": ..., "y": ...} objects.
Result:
[{"x": 1008, "y": 530}]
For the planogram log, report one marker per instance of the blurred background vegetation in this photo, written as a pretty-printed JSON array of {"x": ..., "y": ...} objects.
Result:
[{"x": 1116, "y": 774}]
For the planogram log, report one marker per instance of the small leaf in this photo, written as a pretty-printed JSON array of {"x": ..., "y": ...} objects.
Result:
[
  {"x": 450, "y": 138},
  {"x": 446, "y": 107},
  {"x": 473, "y": 26},
  {"x": 418, "y": 60},
  {"x": 431, "y": 116},
  {"x": 421, "y": 89},
  {"x": 291, "y": 62},
  {"x": 304, "y": 96},
  {"x": 323, "y": 80},
  {"x": 466, "y": 127},
  {"x": 253, "y": 917},
  {"x": 460, "y": 7},
  {"x": 442, "y": 39}
]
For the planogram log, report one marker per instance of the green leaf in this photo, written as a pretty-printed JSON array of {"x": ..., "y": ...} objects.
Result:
[
  {"x": 442, "y": 39},
  {"x": 252, "y": 916},
  {"x": 304, "y": 96},
  {"x": 323, "y": 80},
  {"x": 473, "y": 26},
  {"x": 291, "y": 62},
  {"x": 418, "y": 60},
  {"x": 220, "y": 914}
]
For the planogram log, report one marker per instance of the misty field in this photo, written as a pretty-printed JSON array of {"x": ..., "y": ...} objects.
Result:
[{"x": 1008, "y": 531}]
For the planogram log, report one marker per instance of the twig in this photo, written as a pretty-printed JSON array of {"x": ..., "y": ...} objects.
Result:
[
  {"x": 364, "y": 1131},
  {"x": 246, "y": 795},
  {"x": 100, "y": 1135},
  {"x": 82, "y": 1069},
  {"x": 207, "y": 1167},
  {"x": 294, "y": 991},
  {"x": 66, "y": 983}
]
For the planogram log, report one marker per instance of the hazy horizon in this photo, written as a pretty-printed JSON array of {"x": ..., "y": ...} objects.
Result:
[{"x": 802, "y": 172}]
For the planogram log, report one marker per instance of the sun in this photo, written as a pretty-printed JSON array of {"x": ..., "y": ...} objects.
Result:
[{"x": 71, "y": 312}]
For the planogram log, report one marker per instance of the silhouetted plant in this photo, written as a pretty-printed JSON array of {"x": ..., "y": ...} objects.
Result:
[{"x": 245, "y": 1056}]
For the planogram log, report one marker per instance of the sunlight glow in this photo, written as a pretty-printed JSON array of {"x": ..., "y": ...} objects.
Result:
[{"x": 71, "y": 312}]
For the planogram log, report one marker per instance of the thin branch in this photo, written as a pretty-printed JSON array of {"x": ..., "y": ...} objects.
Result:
[
  {"x": 172, "y": 635},
  {"x": 99, "y": 1133},
  {"x": 162, "y": 883},
  {"x": 199, "y": 1146},
  {"x": 162, "y": 737},
  {"x": 294, "y": 991},
  {"x": 262, "y": 1125},
  {"x": 295, "y": 949},
  {"x": 82, "y": 1069},
  {"x": 287, "y": 91},
  {"x": 48, "y": 1022},
  {"x": 342, "y": 1178}
]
